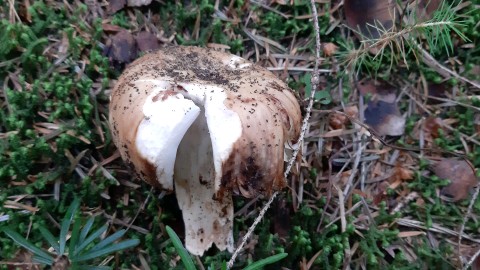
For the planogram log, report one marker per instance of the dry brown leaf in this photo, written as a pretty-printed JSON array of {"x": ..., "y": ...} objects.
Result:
[
  {"x": 379, "y": 89},
  {"x": 352, "y": 111},
  {"x": 115, "y": 5},
  {"x": 382, "y": 113},
  {"x": 476, "y": 264},
  {"x": 369, "y": 17},
  {"x": 337, "y": 120},
  {"x": 329, "y": 49},
  {"x": 146, "y": 41},
  {"x": 461, "y": 175},
  {"x": 423, "y": 10},
  {"x": 111, "y": 28},
  {"x": 384, "y": 118},
  {"x": 121, "y": 47},
  {"x": 403, "y": 173},
  {"x": 432, "y": 126}
]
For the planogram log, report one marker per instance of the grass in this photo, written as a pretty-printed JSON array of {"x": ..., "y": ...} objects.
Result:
[{"x": 347, "y": 203}]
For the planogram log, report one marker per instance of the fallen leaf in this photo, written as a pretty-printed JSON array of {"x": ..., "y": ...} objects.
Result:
[
  {"x": 369, "y": 18},
  {"x": 402, "y": 173},
  {"x": 422, "y": 10},
  {"x": 121, "y": 48},
  {"x": 380, "y": 194},
  {"x": 432, "y": 127},
  {"x": 24, "y": 11},
  {"x": 384, "y": 118},
  {"x": 24, "y": 260},
  {"x": 329, "y": 48},
  {"x": 146, "y": 41},
  {"x": 382, "y": 113},
  {"x": 138, "y": 3},
  {"x": 111, "y": 28},
  {"x": 115, "y": 5},
  {"x": 379, "y": 89},
  {"x": 337, "y": 121},
  {"x": 476, "y": 264},
  {"x": 461, "y": 175},
  {"x": 352, "y": 111},
  {"x": 430, "y": 6}
]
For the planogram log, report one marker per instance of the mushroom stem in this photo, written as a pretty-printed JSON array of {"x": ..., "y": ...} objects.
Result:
[{"x": 207, "y": 220}]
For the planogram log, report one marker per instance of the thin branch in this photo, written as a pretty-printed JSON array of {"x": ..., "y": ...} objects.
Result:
[
  {"x": 462, "y": 228},
  {"x": 433, "y": 63},
  {"x": 315, "y": 81}
]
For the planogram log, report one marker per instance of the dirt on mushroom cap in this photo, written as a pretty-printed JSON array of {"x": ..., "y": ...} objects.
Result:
[{"x": 269, "y": 112}]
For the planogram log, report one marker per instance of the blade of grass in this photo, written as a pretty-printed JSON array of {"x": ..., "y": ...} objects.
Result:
[
  {"x": 182, "y": 252},
  {"x": 38, "y": 259},
  {"x": 20, "y": 240},
  {"x": 74, "y": 237},
  {"x": 90, "y": 238},
  {"x": 112, "y": 238},
  {"x": 266, "y": 261},
  {"x": 50, "y": 239},
  {"x": 86, "y": 230},
  {"x": 67, "y": 220},
  {"x": 110, "y": 249}
]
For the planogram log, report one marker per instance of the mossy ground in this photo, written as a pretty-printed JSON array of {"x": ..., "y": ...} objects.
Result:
[{"x": 55, "y": 142}]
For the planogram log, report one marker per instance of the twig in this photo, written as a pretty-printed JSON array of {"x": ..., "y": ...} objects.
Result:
[
  {"x": 299, "y": 69},
  {"x": 433, "y": 63},
  {"x": 140, "y": 209},
  {"x": 433, "y": 228},
  {"x": 462, "y": 228},
  {"x": 315, "y": 81},
  {"x": 470, "y": 262}
]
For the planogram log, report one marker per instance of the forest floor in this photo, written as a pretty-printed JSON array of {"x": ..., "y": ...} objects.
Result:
[{"x": 387, "y": 179}]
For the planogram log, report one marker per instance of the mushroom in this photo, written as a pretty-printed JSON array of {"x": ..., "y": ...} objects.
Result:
[{"x": 206, "y": 124}]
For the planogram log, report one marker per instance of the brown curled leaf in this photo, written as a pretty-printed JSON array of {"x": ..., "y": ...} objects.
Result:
[
  {"x": 146, "y": 41},
  {"x": 461, "y": 175}
]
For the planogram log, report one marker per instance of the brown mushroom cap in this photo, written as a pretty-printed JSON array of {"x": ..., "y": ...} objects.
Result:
[
  {"x": 208, "y": 124},
  {"x": 269, "y": 113}
]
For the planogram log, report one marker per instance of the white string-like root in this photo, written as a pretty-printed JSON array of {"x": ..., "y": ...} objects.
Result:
[
  {"x": 462, "y": 228},
  {"x": 472, "y": 260},
  {"x": 314, "y": 81}
]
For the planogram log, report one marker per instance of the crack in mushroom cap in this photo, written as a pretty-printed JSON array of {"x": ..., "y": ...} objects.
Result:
[{"x": 250, "y": 115}]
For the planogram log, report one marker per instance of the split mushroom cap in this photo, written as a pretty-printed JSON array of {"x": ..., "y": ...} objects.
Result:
[{"x": 205, "y": 124}]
